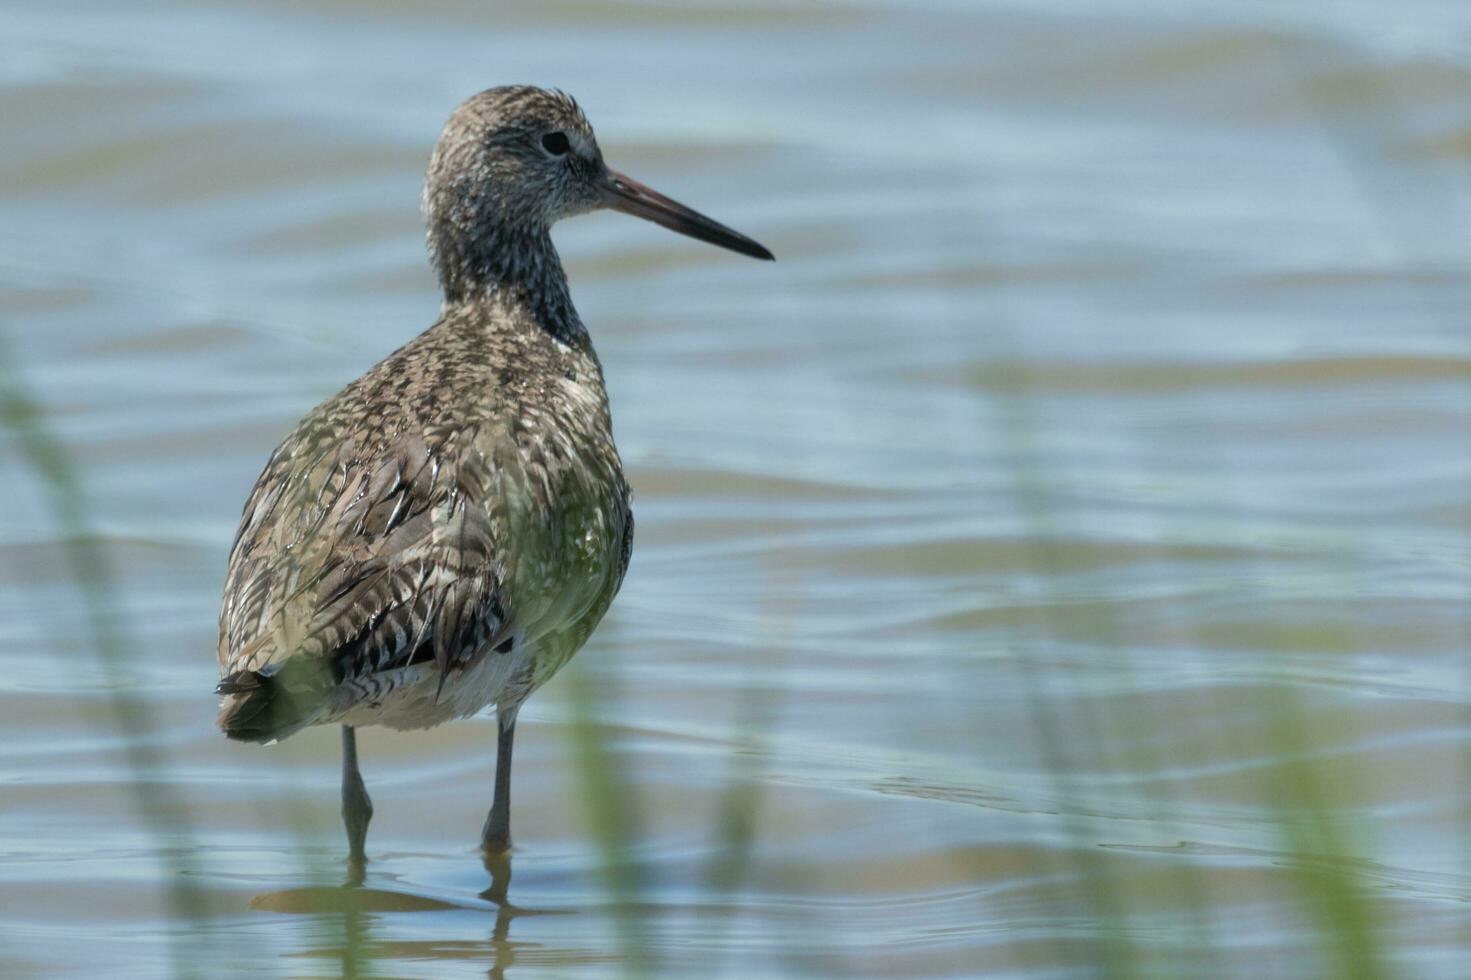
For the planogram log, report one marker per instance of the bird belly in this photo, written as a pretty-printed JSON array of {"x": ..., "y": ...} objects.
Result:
[{"x": 413, "y": 698}]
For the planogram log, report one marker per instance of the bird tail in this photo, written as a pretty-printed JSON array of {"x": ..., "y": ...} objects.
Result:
[{"x": 270, "y": 704}]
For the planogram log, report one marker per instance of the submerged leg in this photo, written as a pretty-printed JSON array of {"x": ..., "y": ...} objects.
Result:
[
  {"x": 496, "y": 837},
  {"x": 357, "y": 809}
]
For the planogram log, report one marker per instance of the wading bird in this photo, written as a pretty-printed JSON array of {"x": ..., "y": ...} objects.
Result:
[{"x": 445, "y": 532}]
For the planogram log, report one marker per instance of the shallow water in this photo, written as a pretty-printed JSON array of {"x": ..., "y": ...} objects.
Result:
[{"x": 1027, "y": 562}]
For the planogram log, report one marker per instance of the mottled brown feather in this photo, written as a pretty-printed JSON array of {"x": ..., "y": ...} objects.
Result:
[{"x": 463, "y": 497}]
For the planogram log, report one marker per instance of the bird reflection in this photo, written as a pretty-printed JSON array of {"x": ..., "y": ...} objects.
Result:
[
  {"x": 499, "y": 867},
  {"x": 504, "y": 948},
  {"x": 359, "y": 906}
]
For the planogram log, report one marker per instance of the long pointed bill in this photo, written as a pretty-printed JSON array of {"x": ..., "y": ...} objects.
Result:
[{"x": 629, "y": 196}]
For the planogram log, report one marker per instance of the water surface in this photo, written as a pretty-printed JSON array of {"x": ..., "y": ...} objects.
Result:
[{"x": 1055, "y": 565}]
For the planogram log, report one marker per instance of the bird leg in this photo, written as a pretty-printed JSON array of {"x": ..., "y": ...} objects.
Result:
[
  {"x": 357, "y": 809},
  {"x": 496, "y": 837}
]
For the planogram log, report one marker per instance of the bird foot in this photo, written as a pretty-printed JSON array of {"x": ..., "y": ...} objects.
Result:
[
  {"x": 495, "y": 839},
  {"x": 357, "y": 813}
]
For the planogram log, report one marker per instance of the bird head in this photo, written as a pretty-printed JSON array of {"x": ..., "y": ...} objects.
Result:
[{"x": 513, "y": 160}]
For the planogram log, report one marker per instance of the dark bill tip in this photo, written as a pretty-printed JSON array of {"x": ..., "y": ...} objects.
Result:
[{"x": 629, "y": 196}]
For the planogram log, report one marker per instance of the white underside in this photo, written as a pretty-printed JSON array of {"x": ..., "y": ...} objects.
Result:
[{"x": 416, "y": 699}]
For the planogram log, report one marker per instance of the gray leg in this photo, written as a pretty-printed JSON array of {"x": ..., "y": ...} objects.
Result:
[
  {"x": 357, "y": 809},
  {"x": 496, "y": 837}
]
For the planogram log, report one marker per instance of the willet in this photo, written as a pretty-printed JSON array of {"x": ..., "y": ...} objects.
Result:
[{"x": 445, "y": 532}]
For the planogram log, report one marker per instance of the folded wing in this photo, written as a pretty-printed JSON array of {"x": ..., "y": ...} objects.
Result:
[{"x": 353, "y": 561}]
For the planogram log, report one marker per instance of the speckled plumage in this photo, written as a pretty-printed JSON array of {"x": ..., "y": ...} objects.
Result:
[
  {"x": 445, "y": 532},
  {"x": 462, "y": 495}
]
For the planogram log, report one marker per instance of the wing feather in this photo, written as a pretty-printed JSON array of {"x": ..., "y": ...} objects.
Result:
[{"x": 367, "y": 565}]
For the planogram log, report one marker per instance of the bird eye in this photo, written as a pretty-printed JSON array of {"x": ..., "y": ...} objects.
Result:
[{"x": 556, "y": 144}]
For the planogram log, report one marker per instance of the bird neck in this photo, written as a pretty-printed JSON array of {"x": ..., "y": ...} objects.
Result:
[{"x": 519, "y": 265}]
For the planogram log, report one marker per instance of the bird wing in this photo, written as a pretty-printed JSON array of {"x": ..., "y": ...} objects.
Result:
[{"x": 364, "y": 556}]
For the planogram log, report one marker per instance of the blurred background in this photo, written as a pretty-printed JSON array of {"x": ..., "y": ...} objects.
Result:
[{"x": 1055, "y": 565}]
